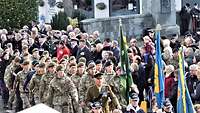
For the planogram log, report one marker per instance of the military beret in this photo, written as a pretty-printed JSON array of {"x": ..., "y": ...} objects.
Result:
[
  {"x": 59, "y": 68},
  {"x": 80, "y": 64},
  {"x": 98, "y": 75},
  {"x": 41, "y": 65},
  {"x": 167, "y": 103},
  {"x": 35, "y": 62},
  {"x": 54, "y": 59},
  {"x": 91, "y": 65},
  {"x": 98, "y": 62},
  {"x": 35, "y": 49},
  {"x": 108, "y": 63},
  {"x": 63, "y": 60},
  {"x": 52, "y": 64},
  {"x": 82, "y": 59},
  {"x": 26, "y": 62}
]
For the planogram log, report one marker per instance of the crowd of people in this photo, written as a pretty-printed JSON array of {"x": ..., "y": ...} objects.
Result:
[{"x": 76, "y": 72}]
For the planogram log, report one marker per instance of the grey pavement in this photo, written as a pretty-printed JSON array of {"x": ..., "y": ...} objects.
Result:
[{"x": 1, "y": 108}]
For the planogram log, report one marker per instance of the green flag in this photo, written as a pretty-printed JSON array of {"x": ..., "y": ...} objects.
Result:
[{"x": 126, "y": 79}]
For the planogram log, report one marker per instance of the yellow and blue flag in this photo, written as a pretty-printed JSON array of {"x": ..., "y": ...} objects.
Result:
[
  {"x": 158, "y": 74},
  {"x": 184, "y": 103}
]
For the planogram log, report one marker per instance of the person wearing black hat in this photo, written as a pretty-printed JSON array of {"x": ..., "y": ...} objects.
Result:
[
  {"x": 133, "y": 107},
  {"x": 102, "y": 92},
  {"x": 197, "y": 35},
  {"x": 45, "y": 81},
  {"x": 98, "y": 66},
  {"x": 35, "y": 83},
  {"x": 185, "y": 18},
  {"x": 109, "y": 72}
]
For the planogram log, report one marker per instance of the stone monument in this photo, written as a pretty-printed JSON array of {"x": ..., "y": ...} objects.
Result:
[{"x": 152, "y": 12}]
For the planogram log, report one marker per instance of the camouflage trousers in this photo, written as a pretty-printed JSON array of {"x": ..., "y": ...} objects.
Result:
[
  {"x": 62, "y": 109},
  {"x": 11, "y": 98},
  {"x": 25, "y": 99}
]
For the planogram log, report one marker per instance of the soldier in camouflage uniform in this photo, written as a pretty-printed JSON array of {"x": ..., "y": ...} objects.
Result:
[
  {"x": 20, "y": 79},
  {"x": 72, "y": 69},
  {"x": 35, "y": 83},
  {"x": 10, "y": 74},
  {"x": 62, "y": 94},
  {"x": 77, "y": 77},
  {"x": 86, "y": 82},
  {"x": 44, "y": 83},
  {"x": 116, "y": 87},
  {"x": 103, "y": 93},
  {"x": 109, "y": 72}
]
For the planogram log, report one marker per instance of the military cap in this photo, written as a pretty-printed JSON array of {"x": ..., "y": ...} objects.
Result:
[
  {"x": 150, "y": 30},
  {"x": 59, "y": 68},
  {"x": 26, "y": 62},
  {"x": 41, "y": 65},
  {"x": 52, "y": 64},
  {"x": 82, "y": 59},
  {"x": 98, "y": 62},
  {"x": 62, "y": 60},
  {"x": 80, "y": 64},
  {"x": 35, "y": 62},
  {"x": 134, "y": 96},
  {"x": 91, "y": 65},
  {"x": 35, "y": 49},
  {"x": 17, "y": 59},
  {"x": 108, "y": 63},
  {"x": 24, "y": 47},
  {"x": 98, "y": 75}
]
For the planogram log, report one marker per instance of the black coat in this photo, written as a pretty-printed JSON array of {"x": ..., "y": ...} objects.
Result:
[
  {"x": 191, "y": 80},
  {"x": 85, "y": 52},
  {"x": 3, "y": 65},
  {"x": 196, "y": 96}
]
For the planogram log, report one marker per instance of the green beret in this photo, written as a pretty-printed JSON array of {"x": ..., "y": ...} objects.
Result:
[
  {"x": 98, "y": 75},
  {"x": 52, "y": 64},
  {"x": 59, "y": 68}
]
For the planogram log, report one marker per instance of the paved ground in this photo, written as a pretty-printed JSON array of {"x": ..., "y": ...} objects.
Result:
[{"x": 1, "y": 107}]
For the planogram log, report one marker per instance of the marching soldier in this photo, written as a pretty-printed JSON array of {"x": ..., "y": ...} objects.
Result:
[
  {"x": 10, "y": 74},
  {"x": 77, "y": 77},
  {"x": 103, "y": 93},
  {"x": 85, "y": 83},
  {"x": 62, "y": 94},
  {"x": 116, "y": 85},
  {"x": 109, "y": 72},
  {"x": 45, "y": 80},
  {"x": 20, "y": 79},
  {"x": 35, "y": 83}
]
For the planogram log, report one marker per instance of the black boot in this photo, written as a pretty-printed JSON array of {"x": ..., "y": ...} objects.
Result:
[{"x": 10, "y": 106}]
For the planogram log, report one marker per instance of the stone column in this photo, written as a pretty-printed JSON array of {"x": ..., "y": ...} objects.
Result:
[{"x": 68, "y": 7}]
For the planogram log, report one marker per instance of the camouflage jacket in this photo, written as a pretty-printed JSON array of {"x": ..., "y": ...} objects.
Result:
[
  {"x": 44, "y": 86},
  {"x": 62, "y": 92},
  {"x": 34, "y": 85},
  {"x": 86, "y": 82}
]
